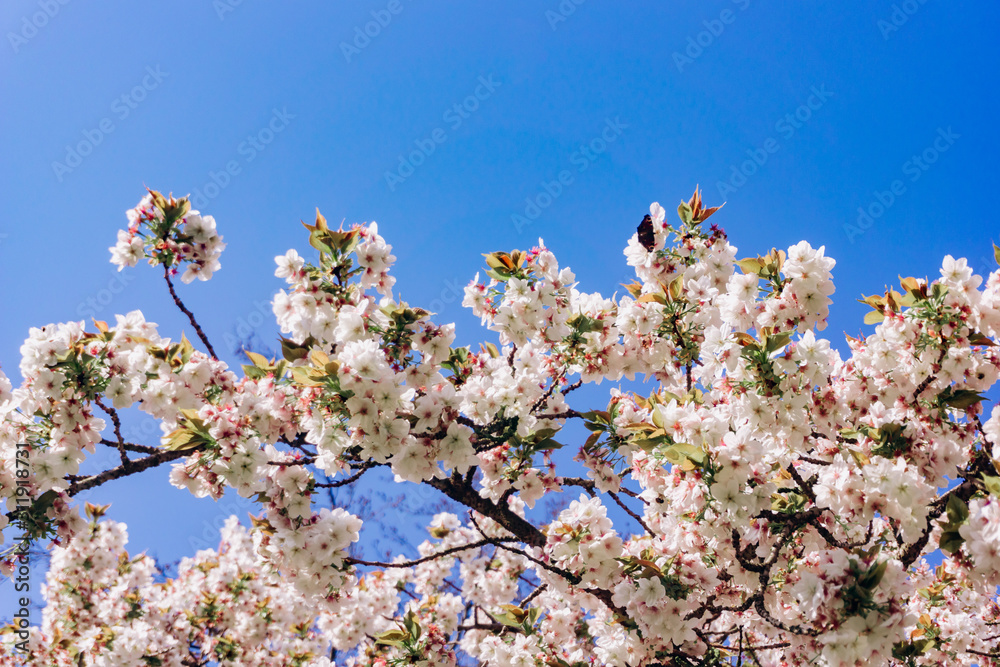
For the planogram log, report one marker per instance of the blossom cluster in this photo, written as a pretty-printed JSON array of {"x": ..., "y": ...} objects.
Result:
[
  {"x": 766, "y": 497},
  {"x": 166, "y": 231}
]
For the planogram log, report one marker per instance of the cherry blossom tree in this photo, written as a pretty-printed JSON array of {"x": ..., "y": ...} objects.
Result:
[{"x": 771, "y": 502}]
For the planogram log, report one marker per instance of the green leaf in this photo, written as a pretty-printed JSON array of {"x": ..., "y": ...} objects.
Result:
[
  {"x": 961, "y": 398},
  {"x": 996, "y": 253},
  {"x": 351, "y": 243},
  {"x": 186, "y": 349},
  {"x": 292, "y": 351},
  {"x": 44, "y": 501},
  {"x": 908, "y": 650},
  {"x": 674, "y": 455},
  {"x": 859, "y": 457},
  {"x": 182, "y": 439},
  {"x": 259, "y": 360},
  {"x": 411, "y": 625},
  {"x": 493, "y": 261},
  {"x": 158, "y": 199},
  {"x": 890, "y": 431},
  {"x": 317, "y": 239},
  {"x": 874, "y": 317},
  {"x": 875, "y": 573},
  {"x": 951, "y": 541},
  {"x": 777, "y": 341},
  {"x": 957, "y": 511},
  {"x": 751, "y": 265},
  {"x": 696, "y": 455},
  {"x": 305, "y": 376},
  {"x": 585, "y": 324},
  {"x": 497, "y": 274},
  {"x": 978, "y": 338},
  {"x": 685, "y": 213},
  {"x": 548, "y": 444},
  {"x": 849, "y": 434},
  {"x": 596, "y": 420},
  {"x": 647, "y": 445},
  {"x": 507, "y": 619},
  {"x": 254, "y": 373},
  {"x": 992, "y": 484},
  {"x": 391, "y": 638}
]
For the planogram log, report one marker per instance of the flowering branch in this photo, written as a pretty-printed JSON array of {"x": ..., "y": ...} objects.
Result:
[{"x": 788, "y": 490}]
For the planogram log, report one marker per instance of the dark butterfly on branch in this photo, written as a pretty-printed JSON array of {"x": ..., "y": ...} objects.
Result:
[{"x": 646, "y": 237}]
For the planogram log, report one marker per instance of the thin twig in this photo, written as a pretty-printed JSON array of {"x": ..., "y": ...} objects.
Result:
[
  {"x": 344, "y": 482},
  {"x": 425, "y": 559},
  {"x": 194, "y": 322},
  {"x": 118, "y": 428},
  {"x": 614, "y": 496},
  {"x": 533, "y": 594}
]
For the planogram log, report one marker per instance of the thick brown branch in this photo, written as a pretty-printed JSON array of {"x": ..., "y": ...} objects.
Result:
[
  {"x": 963, "y": 492},
  {"x": 132, "y": 467},
  {"x": 457, "y": 490},
  {"x": 132, "y": 447},
  {"x": 560, "y": 415}
]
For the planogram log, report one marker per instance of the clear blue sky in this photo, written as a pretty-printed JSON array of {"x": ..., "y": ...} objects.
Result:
[{"x": 168, "y": 94}]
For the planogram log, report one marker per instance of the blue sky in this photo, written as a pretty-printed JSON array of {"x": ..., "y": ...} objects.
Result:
[{"x": 803, "y": 111}]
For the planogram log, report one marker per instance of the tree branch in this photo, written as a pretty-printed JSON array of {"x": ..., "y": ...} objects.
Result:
[
  {"x": 118, "y": 427},
  {"x": 129, "y": 468},
  {"x": 426, "y": 559},
  {"x": 190, "y": 315}
]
